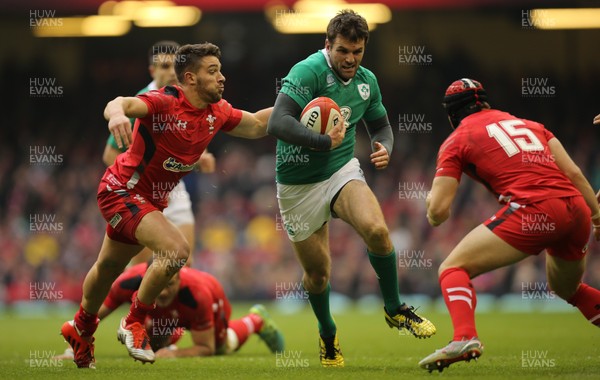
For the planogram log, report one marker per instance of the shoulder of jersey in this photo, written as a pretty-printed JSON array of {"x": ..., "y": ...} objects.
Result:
[
  {"x": 315, "y": 62},
  {"x": 222, "y": 105}
]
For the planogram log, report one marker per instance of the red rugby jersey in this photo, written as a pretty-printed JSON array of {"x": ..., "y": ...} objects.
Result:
[
  {"x": 508, "y": 155},
  {"x": 167, "y": 143},
  {"x": 194, "y": 306}
]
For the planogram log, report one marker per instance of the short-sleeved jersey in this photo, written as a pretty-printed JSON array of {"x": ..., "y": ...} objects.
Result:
[
  {"x": 193, "y": 307},
  {"x": 167, "y": 142},
  {"x": 508, "y": 155},
  {"x": 358, "y": 98},
  {"x": 111, "y": 139}
]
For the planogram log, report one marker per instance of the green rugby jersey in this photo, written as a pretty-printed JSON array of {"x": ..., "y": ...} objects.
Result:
[
  {"x": 111, "y": 139},
  {"x": 358, "y": 98}
]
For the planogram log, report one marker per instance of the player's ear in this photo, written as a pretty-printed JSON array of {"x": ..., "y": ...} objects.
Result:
[
  {"x": 189, "y": 78},
  {"x": 151, "y": 69},
  {"x": 327, "y": 44}
]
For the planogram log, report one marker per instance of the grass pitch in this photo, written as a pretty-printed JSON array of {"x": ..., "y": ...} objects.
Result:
[{"x": 517, "y": 346}]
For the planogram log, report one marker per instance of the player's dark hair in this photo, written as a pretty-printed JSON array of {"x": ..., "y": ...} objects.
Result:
[
  {"x": 161, "y": 47},
  {"x": 349, "y": 25},
  {"x": 189, "y": 57}
]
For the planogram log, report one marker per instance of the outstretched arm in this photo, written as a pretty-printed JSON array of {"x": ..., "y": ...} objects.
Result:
[
  {"x": 285, "y": 126},
  {"x": 118, "y": 111},
  {"x": 203, "y": 345},
  {"x": 252, "y": 125}
]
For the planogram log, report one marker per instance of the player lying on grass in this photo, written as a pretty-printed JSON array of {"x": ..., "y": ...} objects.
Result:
[
  {"x": 130, "y": 206},
  {"x": 193, "y": 302},
  {"x": 547, "y": 204}
]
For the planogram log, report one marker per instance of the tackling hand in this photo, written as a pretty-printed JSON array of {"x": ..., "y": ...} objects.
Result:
[
  {"x": 120, "y": 127},
  {"x": 167, "y": 352}
]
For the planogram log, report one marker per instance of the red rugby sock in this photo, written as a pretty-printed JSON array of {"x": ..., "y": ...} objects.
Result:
[
  {"x": 85, "y": 322},
  {"x": 245, "y": 327},
  {"x": 137, "y": 311},
  {"x": 461, "y": 300},
  {"x": 587, "y": 300}
]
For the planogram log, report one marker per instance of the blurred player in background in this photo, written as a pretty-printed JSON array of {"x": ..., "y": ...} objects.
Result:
[
  {"x": 193, "y": 301},
  {"x": 331, "y": 182},
  {"x": 195, "y": 111},
  {"x": 547, "y": 204},
  {"x": 161, "y": 66}
]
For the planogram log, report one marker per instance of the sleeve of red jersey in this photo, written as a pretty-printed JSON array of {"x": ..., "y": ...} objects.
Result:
[
  {"x": 232, "y": 116},
  {"x": 450, "y": 159},
  {"x": 118, "y": 293},
  {"x": 547, "y": 134},
  {"x": 156, "y": 100},
  {"x": 203, "y": 314}
]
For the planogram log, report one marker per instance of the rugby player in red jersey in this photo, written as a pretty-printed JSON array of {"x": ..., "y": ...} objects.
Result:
[
  {"x": 157, "y": 156},
  {"x": 195, "y": 302},
  {"x": 547, "y": 205},
  {"x": 161, "y": 67}
]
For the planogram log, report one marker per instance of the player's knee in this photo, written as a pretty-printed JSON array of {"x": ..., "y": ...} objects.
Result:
[
  {"x": 183, "y": 252},
  {"x": 377, "y": 235},
  {"x": 176, "y": 252},
  {"x": 316, "y": 281},
  {"x": 108, "y": 268}
]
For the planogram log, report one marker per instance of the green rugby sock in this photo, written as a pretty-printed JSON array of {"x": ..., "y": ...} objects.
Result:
[
  {"x": 387, "y": 275},
  {"x": 320, "y": 306}
]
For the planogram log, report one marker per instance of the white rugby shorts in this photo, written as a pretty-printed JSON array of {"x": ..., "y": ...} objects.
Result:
[{"x": 305, "y": 208}]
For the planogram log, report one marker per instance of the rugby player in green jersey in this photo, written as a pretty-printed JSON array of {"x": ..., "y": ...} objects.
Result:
[{"x": 318, "y": 176}]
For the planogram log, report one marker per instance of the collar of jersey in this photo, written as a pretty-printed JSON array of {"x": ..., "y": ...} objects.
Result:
[
  {"x": 324, "y": 51},
  {"x": 152, "y": 86},
  {"x": 188, "y": 106}
]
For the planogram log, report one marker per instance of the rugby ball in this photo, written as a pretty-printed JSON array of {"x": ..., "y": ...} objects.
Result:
[{"x": 320, "y": 115}]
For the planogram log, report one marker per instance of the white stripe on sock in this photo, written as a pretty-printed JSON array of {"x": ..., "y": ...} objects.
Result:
[
  {"x": 460, "y": 289},
  {"x": 592, "y": 320},
  {"x": 248, "y": 322},
  {"x": 461, "y": 298}
]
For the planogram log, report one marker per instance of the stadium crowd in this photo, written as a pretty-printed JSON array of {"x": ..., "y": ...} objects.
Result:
[{"x": 50, "y": 166}]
